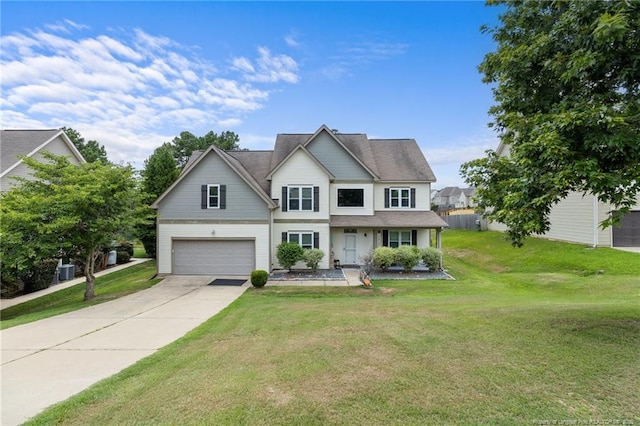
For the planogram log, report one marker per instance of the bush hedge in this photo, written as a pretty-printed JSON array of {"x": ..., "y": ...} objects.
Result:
[
  {"x": 259, "y": 278},
  {"x": 289, "y": 254},
  {"x": 383, "y": 257},
  {"x": 408, "y": 257},
  {"x": 312, "y": 257},
  {"x": 431, "y": 257},
  {"x": 40, "y": 275},
  {"x": 122, "y": 257}
]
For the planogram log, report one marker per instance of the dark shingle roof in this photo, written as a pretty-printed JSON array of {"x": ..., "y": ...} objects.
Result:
[
  {"x": 257, "y": 165},
  {"x": 400, "y": 160},
  {"x": 14, "y": 143}
]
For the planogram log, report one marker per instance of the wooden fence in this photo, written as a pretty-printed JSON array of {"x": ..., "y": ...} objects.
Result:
[{"x": 465, "y": 221}]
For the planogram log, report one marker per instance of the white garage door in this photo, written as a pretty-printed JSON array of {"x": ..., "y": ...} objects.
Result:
[
  {"x": 202, "y": 257},
  {"x": 627, "y": 233}
]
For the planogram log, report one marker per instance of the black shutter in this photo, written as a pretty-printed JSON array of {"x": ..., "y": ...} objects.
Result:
[
  {"x": 386, "y": 198},
  {"x": 204, "y": 194},
  {"x": 284, "y": 201},
  {"x": 385, "y": 237},
  {"x": 284, "y": 237},
  {"x": 316, "y": 199},
  {"x": 316, "y": 240},
  {"x": 414, "y": 237},
  {"x": 413, "y": 198},
  {"x": 223, "y": 196}
]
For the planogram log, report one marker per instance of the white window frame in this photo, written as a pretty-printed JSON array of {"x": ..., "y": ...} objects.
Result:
[
  {"x": 299, "y": 198},
  {"x": 399, "y": 240},
  {"x": 209, "y": 196},
  {"x": 348, "y": 189},
  {"x": 400, "y": 198},
  {"x": 299, "y": 235}
]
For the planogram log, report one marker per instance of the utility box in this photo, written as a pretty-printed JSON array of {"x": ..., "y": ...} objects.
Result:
[{"x": 66, "y": 272}]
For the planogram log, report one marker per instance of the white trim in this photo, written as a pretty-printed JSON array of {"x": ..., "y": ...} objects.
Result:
[
  {"x": 209, "y": 186},
  {"x": 349, "y": 207},
  {"x": 400, "y": 197}
]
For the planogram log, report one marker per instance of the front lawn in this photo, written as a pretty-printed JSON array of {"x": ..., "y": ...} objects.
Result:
[
  {"x": 546, "y": 333},
  {"x": 108, "y": 287}
]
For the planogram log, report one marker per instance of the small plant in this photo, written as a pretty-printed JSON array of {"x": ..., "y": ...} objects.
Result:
[
  {"x": 259, "y": 278},
  {"x": 431, "y": 257},
  {"x": 408, "y": 257},
  {"x": 367, "y": 263},
  {"x": 122, "y": 257},
  {"x": 312, "y": 257},
  {"x": 383, "y": 257},
  {"x": 289, "y": 254}
]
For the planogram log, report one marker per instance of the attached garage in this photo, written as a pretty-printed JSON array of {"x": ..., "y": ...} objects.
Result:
[
  {"x": 214, "y": 257},
  {"x": 627, "y": 233}
]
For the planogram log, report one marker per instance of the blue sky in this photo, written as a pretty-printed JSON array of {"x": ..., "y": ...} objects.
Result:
[{"x": 133, "y": 75}]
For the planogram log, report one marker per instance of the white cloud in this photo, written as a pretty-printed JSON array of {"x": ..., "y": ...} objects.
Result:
[
  {"x": 268, "y": 68},
  {"x": 130, "y": 91},
  {"x": 291, "y": 40},
  {"x": 354, "y": 54}
]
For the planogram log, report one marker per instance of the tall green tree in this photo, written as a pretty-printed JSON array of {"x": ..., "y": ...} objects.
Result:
[
  {"x": 67, "y": 210},
  {"x": 566, "y": 81},
  {"x": 185, "y": 144},
  {"x": 160, "y": 171},
  {"x": 90, "y": 150}
]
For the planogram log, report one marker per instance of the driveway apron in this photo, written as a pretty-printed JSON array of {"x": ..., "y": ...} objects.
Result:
[{"x": 48, "y": 361}]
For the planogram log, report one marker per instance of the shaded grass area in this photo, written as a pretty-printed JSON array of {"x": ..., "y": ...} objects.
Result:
[
  {"x": 506, "y": 343},
  {"x": 107, "y": 287}
]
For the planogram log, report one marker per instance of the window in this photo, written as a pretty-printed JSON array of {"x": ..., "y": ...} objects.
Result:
[
  {"x": 400, "y": 197},
  {"x": 214, "y": 196},
  {"x": 399, "y": 238},
  {"x": 300, "y": 198},
  {"x": 303, "y": 239},
  {"x": 350, "y": 197}
]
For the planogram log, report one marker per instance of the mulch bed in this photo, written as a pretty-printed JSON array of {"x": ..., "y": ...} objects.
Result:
[
  {"x": 413, "y": 275},
  {"x": 307, "y": 275}
]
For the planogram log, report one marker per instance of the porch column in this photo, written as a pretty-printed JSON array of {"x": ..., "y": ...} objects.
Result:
[{"x": 439, "y": 244}]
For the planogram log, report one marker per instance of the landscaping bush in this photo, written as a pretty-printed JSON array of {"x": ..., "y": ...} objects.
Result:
[
  {"x": 259, "y": 278},
  {"x": 312, "y": 257},
  {"x": 40, "y": 275},
  {"x": 383, "y": 257},
  {"x": 289, "y": 254},
  {"x": 431, "y": 257},
  {"x": 408, "y": 257},
  {"x": 122, "y": 257},
  {"x": 126, "y": 246},
  {"x": 11, "y": 284}
]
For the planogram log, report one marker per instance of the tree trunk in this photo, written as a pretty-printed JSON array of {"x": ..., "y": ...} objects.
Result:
[{"x": 90, "y": 278}]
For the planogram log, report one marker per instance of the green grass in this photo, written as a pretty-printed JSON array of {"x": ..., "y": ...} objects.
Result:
[
  {"x": 547, "y": 332},
  {"x": 107, "y": 287}
]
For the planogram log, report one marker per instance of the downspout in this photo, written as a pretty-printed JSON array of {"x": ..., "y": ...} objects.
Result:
[{"x": 595, "y": 221}]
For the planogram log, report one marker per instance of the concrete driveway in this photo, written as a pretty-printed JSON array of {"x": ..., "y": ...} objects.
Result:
[{"x": 48, "y": 361}]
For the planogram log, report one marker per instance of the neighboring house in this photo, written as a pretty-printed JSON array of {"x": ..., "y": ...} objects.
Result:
[
  {"x": 448, "y": 198},
  {"x": 31, "y": 143},
  {"x": 342, "y": 193},
  {"x": 577, "y": 219},
  {"x": 467, "y": 197}
]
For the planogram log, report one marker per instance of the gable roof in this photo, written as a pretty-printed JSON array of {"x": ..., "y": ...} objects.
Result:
[
  {"x": 286, "y": 143},
  {"x": 450, "y": 191},
  {"x": 401, "y": 160},
  {"x": 232, "y": 162},
  {"x": 15, "y": 143},
  {"x": 306, "y": 151}
]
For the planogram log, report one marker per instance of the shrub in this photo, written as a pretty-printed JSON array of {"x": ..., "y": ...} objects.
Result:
[
  {"x": 259, "y": 278},
  {"x": 122, "y": 257},
  {"x": 431, "y": 257},
  {"x": 40, "y": 275},
  {"x": 289, "y": 254},
  {"x": 383, "y": 257},
  {"x": 312, "y": 257},
  {"x": 408, "y": 257},
  {"x": 126, "y": 246},
  {"x": 11, "y": 284}
]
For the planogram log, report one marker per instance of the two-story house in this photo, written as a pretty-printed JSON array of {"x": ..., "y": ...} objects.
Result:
[{"x": 342, "y": 193}]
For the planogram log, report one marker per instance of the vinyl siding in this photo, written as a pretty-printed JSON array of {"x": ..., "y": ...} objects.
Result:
[
  {"x": 322, "y": 228},
  {"x": 367, "y": 210},
  {"x": 300, "y": 169},
  {"x": 57, "y": 147},
  {"x": 423, "y": 195},
  {"x": 338, "y": 161},
  {"x": 184, "y": 202},
  {"x": 167, "y": 232}
]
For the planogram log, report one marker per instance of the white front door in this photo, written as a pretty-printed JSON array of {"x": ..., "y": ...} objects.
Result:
[{"x": 350, "y": 249}]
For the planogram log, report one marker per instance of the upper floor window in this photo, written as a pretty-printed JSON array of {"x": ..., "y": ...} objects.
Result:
[
  {"x": 213, "y": 196},
  {"x": 300, "y": 198},
  {"x": 350, "y": 197},
  {"x": 400, "y": 198}
]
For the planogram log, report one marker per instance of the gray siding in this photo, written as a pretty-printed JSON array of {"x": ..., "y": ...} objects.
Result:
[
  {"x": 338, "y": 161},
  {"x": 184, "y": 201}
]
